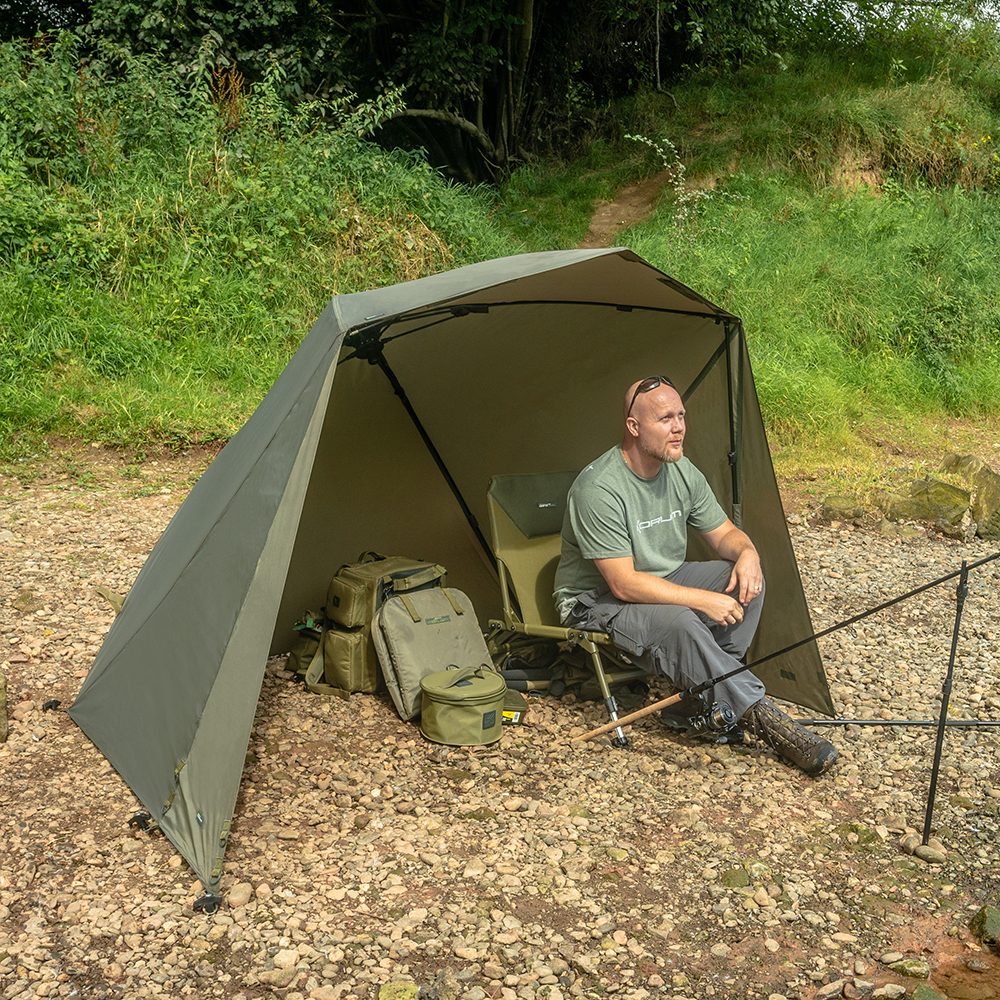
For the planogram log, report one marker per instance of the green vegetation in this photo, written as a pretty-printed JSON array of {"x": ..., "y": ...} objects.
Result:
[{"x": 165, "y": 250}]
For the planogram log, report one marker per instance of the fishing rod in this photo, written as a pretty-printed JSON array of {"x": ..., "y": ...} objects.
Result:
[{"x": 693, "y": 692}]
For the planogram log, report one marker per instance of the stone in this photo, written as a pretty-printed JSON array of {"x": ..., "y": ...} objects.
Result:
[
  {"x": 891, "y": 991},
  {"x": 279, "y": 978},
  {"x": 964, "y": 466},
  {"x": 239, "y": 895},
  {"x": 402, "y": 989},
  {"x": 834, "y": 989},
  {"x": 720, "y": 950},
  {"x": 617, "y": 854},
  {"x": 840, "y": 508},
  {"x": 986, "y": 925},
  {"x": 986, "y": 504},
  {"x": 914, "y": 968},
  {"x": 890, "y": 956},
  {"x": 909, "y": 842},
  {"x": 735, "y": 878},
  {"x": 287, "y": 958},
  {"x": 927, "y": 853},
  {"x": 925, "y": 992},
  {"x": 945, "y": 506},
  {"x": 325, "y": 993}
]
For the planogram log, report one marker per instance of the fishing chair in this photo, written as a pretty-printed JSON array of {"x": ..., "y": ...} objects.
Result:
[{"x": 526, "y": 514}]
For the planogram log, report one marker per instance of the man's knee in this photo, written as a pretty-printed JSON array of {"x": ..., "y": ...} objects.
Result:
[{"x": 640, "y": 627}]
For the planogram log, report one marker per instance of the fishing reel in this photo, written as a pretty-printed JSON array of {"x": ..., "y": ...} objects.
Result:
[{"x": 717, "y": 718}]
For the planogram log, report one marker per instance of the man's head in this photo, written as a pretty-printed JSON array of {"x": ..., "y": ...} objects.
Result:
[{"x": 655, "y": 419}]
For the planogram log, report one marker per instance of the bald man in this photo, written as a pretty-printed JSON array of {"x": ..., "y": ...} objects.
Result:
[{"x": 623, "y": 571}]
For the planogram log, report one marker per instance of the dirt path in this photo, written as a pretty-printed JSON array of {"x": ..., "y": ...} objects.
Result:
[{"x": 631, "y": 205}]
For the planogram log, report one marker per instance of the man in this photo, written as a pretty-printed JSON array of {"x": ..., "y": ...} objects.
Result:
[{"x": 623, "y": 570}]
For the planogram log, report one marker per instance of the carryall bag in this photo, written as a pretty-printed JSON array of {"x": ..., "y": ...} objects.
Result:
[
  {"x": 344, "y": 661},
  {"x": 419, "y": 633},
  {"x": 463, "y": 707},
  {"x": 358, "y": 589}
]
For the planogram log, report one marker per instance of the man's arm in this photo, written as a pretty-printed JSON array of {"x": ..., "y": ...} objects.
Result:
[
  {"x": 630, "y": 585},
  {"x": 730, "y": 543}
]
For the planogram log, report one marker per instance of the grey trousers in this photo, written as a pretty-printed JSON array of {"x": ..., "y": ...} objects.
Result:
[{"x": 683, "y": 645}]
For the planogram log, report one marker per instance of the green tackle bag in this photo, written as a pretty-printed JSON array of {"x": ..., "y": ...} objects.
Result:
[
  {"x": 463, "y": 707},
  {"x": 419, "y": 633}
]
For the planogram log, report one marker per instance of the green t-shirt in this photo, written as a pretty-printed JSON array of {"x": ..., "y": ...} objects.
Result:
[{"x": 612, "y": 512}]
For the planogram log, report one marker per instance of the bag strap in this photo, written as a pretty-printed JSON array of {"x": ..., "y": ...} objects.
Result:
[
  {"x": 418, "y": 578},
  {"x": 411, "y": 608},
  {"x": 453, "y": 602},
  {"x": 315, "y": 671}
]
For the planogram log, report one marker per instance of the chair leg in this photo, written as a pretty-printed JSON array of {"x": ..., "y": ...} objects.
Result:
[{"x": 620, "y": 739}]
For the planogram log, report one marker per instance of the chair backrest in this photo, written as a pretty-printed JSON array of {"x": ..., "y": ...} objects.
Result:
[{"x": 526, "y": 514}]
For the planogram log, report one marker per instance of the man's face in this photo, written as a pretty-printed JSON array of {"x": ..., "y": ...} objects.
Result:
[{"x": 660, "y": 424}]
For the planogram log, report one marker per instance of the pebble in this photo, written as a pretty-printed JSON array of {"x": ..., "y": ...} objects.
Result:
[
  {"x": 834, "y": 989},
  {"x": 239, "y": 895}
]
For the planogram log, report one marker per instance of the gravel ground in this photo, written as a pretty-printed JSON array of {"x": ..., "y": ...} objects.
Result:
[{"x": 364, "y": 859}]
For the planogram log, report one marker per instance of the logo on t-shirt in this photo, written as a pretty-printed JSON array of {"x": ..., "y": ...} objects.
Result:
[{"x": 643, "y": 525}]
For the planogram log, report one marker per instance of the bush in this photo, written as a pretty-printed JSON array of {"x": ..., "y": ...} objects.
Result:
[{"x": 164, "y": 250}]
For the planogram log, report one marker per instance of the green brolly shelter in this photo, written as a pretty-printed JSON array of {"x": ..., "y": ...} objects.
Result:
[{"x": 383, "y": 433}]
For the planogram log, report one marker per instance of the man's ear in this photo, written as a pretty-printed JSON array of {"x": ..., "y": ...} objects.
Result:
[{"x": 632, "y": 427}]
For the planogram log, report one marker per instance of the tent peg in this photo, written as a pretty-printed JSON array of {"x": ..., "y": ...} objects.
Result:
[
  {"x": 209, "y": 903},
  {"x": 143, "y": 821}
]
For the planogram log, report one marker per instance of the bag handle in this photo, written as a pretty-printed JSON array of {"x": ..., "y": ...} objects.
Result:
[
  {"x": 418, "y": 578},
  {"x": 464, "y": 673},
  {"x": 411, "y": 608}
]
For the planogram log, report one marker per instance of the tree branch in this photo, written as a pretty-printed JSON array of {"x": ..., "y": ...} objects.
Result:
[{"x": 459, "y": 122}]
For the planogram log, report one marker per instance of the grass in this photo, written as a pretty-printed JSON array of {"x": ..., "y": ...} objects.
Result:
[{"x": 853, "y": 301}]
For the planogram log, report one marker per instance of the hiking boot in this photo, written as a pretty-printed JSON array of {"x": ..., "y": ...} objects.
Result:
[{"x": 789, "y": 740}]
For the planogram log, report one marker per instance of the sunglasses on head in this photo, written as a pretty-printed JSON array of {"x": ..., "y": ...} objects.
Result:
[{"x": 648, "y": 385}]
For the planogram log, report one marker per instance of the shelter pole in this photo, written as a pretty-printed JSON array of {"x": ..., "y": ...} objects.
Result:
[
  {"x": 700, "y": 377},
  {"x": 734, "y": 462},
  {"x": 960, "y": 592},
  {"x": 379, "y": 359}
]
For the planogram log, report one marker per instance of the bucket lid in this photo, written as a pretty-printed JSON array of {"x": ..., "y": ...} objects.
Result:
[{"x": 466, "y": 684}]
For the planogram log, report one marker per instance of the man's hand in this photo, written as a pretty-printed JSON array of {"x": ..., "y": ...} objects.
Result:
[
  {"x": 746, "y": 576},
  {"x": 721, "y": 609}
]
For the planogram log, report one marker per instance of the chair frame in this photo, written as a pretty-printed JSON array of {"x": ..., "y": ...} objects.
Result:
[{"x": 595, "y": 643}]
